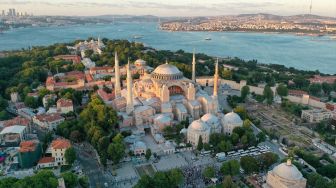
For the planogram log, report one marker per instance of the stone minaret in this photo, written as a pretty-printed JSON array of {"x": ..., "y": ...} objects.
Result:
[
  {"x": 216, "y": 76},
  {"x": 129, "y": 98},
  {"x": 193, "y": 78},
  {"x": 117, "y": 87}
]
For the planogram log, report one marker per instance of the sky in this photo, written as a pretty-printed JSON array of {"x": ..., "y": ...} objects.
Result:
[{"x": 169, "y": 7}]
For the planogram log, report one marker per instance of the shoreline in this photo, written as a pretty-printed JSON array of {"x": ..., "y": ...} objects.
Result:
[{"x": 261, "y": 32}]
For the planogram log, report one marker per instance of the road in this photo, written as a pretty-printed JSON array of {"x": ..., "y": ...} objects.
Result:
[{"x": 91, "y": 167}]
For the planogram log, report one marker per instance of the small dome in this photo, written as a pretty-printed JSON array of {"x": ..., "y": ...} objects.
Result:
[
  {"x": 287, "y": 171},
  {"x": 232, "y": 118},
  {"x": 140, "y": 62},
  {"x": 139, "y": 144},
  {"x": 210, "y": 118},
  {"x": 198, "y": 125},
  {"x": 163, "y": 118}
]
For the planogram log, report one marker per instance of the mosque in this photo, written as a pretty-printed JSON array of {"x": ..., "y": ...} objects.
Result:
[
  {"x": 164, "y": 97},
  {"x": 285, "y": 175}
]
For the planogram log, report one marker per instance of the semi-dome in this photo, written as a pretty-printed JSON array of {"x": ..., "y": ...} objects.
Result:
[
  {"x": 287, "y": 171},
  {"x": 198, "y": 125},
  {"x": 232, "y": 118},
  {"x": 167, "y": 72},
  {"x": 140, "y": 62},
  {"x": 210, "y": 118}
]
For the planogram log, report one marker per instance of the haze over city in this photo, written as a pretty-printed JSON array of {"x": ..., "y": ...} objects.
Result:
[{"x": 170, "y": 8}]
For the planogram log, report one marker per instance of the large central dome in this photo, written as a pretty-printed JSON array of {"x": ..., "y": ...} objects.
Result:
[{"x": 167, "y": 72}]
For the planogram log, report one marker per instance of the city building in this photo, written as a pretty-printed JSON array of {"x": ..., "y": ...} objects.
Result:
[
  {"x": 64, "y": 106},
  {"x": 321, "y": 79},
  {"x": 46, "y": 162},
  {"x": 29, "y": 153},
  {"x": 95, "y": 46},
  {"x": 16, "y": 121},
  {"x": 316, "y": 115},
  {"x": 210, "y": 123},
  {"x": 58, "y": 148},
  {"x": 48, "y": 121},
  {"x": 139, "y": 148},
  {"x": 48, "y": 100},
  {"x": 72, "y": 58},
  {"x": 13, "y": 135},
  {"x": 196, "y": 130},
  {"x": 230, "y": 121},
  {"x": 285, "y": 175}
]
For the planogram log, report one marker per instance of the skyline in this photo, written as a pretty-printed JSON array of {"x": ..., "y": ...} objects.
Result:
[{"x": 172, "y": 8}]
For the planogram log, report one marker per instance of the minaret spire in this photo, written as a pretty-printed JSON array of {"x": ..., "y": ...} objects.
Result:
[
  {"x": 193, "y": 78},
  {"x": 117, "y": 88},
  {"x": 215, "y": 91},
  {"x": 129, "y": 99}
]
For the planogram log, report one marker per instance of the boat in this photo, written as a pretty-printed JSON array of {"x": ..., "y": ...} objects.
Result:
[
  {"x": 137, "y": 36},
  {"x": 208, "y": 38}
]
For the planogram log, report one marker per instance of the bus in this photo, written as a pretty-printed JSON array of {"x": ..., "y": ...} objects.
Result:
[
  {"x": 205, "y": 153},
  {"x": 221, "y": 156}
]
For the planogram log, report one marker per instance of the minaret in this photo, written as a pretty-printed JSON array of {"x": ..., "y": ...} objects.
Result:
[
  {"x": 129, "y": 99},
  {"x": 216, "y": 76},
  {"x": 117, "y": 87},
  {"x": 193, "y": 78}
]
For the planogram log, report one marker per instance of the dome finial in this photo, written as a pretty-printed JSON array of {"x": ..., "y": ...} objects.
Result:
[{"x": 289, "y": 162}]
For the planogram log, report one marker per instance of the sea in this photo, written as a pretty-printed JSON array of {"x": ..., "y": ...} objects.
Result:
[{"x": 301, "y": 52}]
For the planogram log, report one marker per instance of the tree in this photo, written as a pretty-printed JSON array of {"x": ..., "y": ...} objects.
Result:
[
  {"x": 228, "y": 183},
  {"x": 241, "y": 111},
  {"x": 230, "y": 168},
  {"x": 261, "y": 136},
  {"x": 31, "y": 102},
  {"x": 175, "y": 176},
  {"x": 227, "y": 74},
  {"x": 315, "y": 89},
  {"x": 209, "y": 172},
  {"x": 224, "y": 146},
  {"x": 116, "y": 150},
  {"x": 328, "y": 170},
  {"x": 282, "y": 90},
  {"x": 83, "y": 181},
  {"x": 145, "y": 182},
  {"x": 268, "y": 159},
  {"x": 200, "y": 143},
  {"x": 70, "y": 179},
  {"x": 268, "y": 94},
  {"x": 247, "y": 124},
  {"x": 244, "y": 92},
  {"x": 70, "y": 155},
  {"x": 148, "y": 154},
  {"x": 327, "y": 88},
  {"x": 249, "y": 164}
]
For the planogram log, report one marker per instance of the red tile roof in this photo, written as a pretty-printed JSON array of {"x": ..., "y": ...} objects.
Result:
[
  {"x": 60, "y": 144},
  {"x": 64, "y": 103},
  {"x": 105, "y": 96},
  {"x": 321, "y": 79},
  {"x": 297, "y": 92},
  {"x": 49, "y": 117},
  {"x": 73, "y": 58},
  {"x": 16, "y": 121},
  {"x": 105, "y": 68},
  {"x": 46, "y": 160},
  {"x": 28, "y": 146}
]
